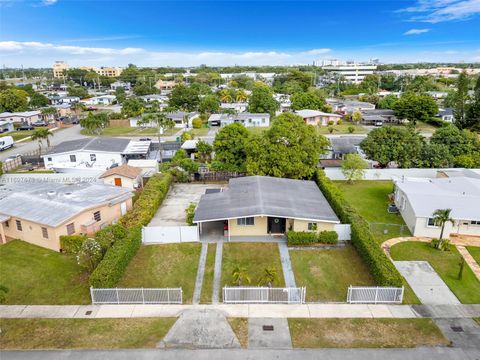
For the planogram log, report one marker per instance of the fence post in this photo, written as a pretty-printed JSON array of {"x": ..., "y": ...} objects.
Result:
[
  {"x": 376, "y": 294},
  {"x": 143, "y": 297},
  {"x": 91, "y": 295},
  {"x": 118, "y": 298},
  {"x": 168, "y": 295}
]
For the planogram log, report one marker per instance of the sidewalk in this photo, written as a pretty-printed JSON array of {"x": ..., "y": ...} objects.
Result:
[{"x": 248, "y": 311}]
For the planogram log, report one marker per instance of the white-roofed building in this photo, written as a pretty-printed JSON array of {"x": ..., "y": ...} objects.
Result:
[{"x": 418, "y": 198}]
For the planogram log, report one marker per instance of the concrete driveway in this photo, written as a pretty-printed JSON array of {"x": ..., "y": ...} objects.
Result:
[
  {"x": 172, "y": 210},
  {"x": 425, "y": 282}
]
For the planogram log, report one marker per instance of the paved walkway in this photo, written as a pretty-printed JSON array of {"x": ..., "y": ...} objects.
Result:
[
  {"x": 244, "y": 310},
  {"x": 217, "y": 275},
  {"x": 200, "y": 273},
  {"x": 425, "y": 282},
  {"x": 286, "y": 265},
  {"x": 469, "y": 260}
]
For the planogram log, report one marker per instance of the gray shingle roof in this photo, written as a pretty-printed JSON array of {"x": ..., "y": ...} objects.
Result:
[
  {"x": 269, "y": 196},
  {"x": 94, "y": 144}
]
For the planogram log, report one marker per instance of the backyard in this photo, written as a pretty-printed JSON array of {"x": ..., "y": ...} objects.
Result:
[
  {"x": 327, "y": 273},
  {"x": 341, "y": 129},
  {"x": 164, "y": 266},
  {"x": 446, "y": 264},
  {"x": 254, "y": 258},
  {"x": 34, "y": 275},
  {"x": 83, "y": 333}
]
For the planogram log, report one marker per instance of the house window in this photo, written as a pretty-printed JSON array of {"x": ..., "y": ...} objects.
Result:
[
  {"x": 44, "y": 232},
  {"x": 93, "y": 157},
  {"x": 96, "y": 216},
  {"x": 312, "y": 226},
  {"x": 49, "y": 159},
  {"x": 70, "y": 229},
  {"x": 7, "y": 223},
  {"x": 431, "y": 222},
  {"x": 246, "y": 221},
  {"x": 19, "y": 225},
  {"x": 475, "y": 222},
  {"x": 73, "y": 158}
]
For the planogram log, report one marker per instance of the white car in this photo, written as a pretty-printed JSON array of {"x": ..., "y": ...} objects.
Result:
[{"x": 6, "y": 142}]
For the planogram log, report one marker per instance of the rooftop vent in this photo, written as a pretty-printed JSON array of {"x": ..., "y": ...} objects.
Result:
[{"x": 51, "y": 193}]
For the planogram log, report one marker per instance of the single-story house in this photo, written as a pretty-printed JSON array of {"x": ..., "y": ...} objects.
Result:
[
  {"x": 101, "y": 100},
  {"x": 154, "y": 97},
  {"x": 238, "y": 107},
  {"x": 126, "y": 176},
  {"x": 58, "y": 100},
  {"x": 255, "y": 206},
  {"x": 315, "y": 117},
  {"x": 341, "y": 146},
  {"x": 165, "y": 84},
  {"x": 446, "y": 115},
  {"x": 246, "y": 119},
  {"x": 190, "y": 146},
  {"x": 182, "y": 119},
  {"x": 349, "y": 106},
  {"x": 40, "y": 212},
  {"x": 378, "y": 117},
  {"x": 120, "y": 84},
  {"x": 418, "y": 198},
  {"x": 6, "y": 126},
  {"x": 22, "y": 117}
]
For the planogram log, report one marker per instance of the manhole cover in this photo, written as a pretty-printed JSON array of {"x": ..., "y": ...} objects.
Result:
[
  {"x": 267, "y": 327},
  {"x": 456, "y": 328},
  {"x": 89, "y": 312}
]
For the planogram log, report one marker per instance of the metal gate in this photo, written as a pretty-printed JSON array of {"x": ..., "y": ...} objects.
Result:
[
  {"x": 169, "y": 234},
  {"x": 374, "y": 295},
  {"x": 263, "y": 295},
  {"x": 136, "y": 296}
]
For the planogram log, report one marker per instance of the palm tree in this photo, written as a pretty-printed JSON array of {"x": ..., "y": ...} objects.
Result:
[
  {"x": 40, "y": 135},
  {"x": 241, "y": 96},
  {"x": 95, "y": 123},
  {"x": 162, "y": 123},
  {"x": 78, "y": 107},
  {"x": 47, "y": 112},
  {"x": 440, "y": 218},
  {"x": 225, "y": 96},
  {"x": 240, "y": 276},
  {"x": 269, "y": 277}
]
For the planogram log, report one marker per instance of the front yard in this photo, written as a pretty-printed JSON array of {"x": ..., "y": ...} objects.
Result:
[
  {"x": 31, "y": 334},
  {"x": 253, "y": 258},
  {"x": 341, "y": 129},
  {"x": 34, "y": 275},
  {"x": 475, "y": 252},
  {"x": 328, "y": 273},
  {"x": 164, "y": 266},
  {"x": 446, "y": 264},
  {"x": 18, "y": 134},
  {"x": 365, "y": 333}
]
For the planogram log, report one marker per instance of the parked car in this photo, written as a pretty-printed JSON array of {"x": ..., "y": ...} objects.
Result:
[
  {"x": 25, "y": 127},
  {"x": 6, "y": 142},
  {"x": 144, "y": 139},
  {"x": 39, "y": 123}
]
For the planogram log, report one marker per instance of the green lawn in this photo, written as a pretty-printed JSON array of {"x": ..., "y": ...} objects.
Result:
[
  {"x": 365, "y": 333},
  {"x": 370, "y": 199},
  {"x": 341, "y": 129},
  {"x": 446, "y": 264},
  {"x": 164, "y": 266},
  {"x": 130, "y": 131},
  {"x": 199, "y": 132},
  {"x": 255, "y": 258},
  {"x": 475, "y": 252},
  {"x": 35, "y": 275},
  {"x": 328, "y": 273},
  {"x": 30, "y": 334},
  {"x": 19, "y": 134},
  {"x": 207, "y": 286}
]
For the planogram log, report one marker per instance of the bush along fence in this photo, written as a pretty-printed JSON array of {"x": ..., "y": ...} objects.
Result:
[
  {"x": 308, "y": 238},
  {"x": 380, "y": 266},
  {"x": 117, "y": 257}
]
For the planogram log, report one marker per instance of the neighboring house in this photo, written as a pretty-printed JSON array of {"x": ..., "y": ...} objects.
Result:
[
  {"x": 86, "y": 153},
  {"x": 446, "y": 115},
  {"x": 315, "y": 117},
  {"x": 341, "y": 146},
  {"x": 418, "y": 198},
  {"x": 6, "y": 126},
  {"x": 190, "y": 146},
  {"x": 256, "y": 206},
  {"x": 182, "y": 119},
  {"x": 22, "y": 117},
  {"x": 349, "y": 106},
  {"x": 237, "y": 107},
  {"x": 101, "y": 100},
  {"x": 246, "y": 119},
  {"x": 125, "y": 176},
  {"x": 59, "y": 100},
  {"x": 437, "y": 95},
  {"x": 165, "y": 84},
  {"x": 378, "y": 117},
  {"x": 120, "y": 84},
  {"x": 41, "y": 212},
  {"x": 154, "y": 97}
]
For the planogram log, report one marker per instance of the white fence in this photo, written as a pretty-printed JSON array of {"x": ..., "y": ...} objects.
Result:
[
  {"x": 374, "y": 295},
  {"x": 169, "y": 234},
  {"x": 344, "y": 231},
  {"x": 136, "y": 296},
  {"x": 263, "y": 295},
  {"x": 391, "y": 174}
]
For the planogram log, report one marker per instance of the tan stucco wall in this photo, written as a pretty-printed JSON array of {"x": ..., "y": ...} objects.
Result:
[
  {"x": 126, "y": 182},
  {"x": 32, "y": 232},
  {"x": 302, "y": 225},
  {"x": 259, "y": 229}
]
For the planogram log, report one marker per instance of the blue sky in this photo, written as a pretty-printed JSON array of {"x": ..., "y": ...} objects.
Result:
[{"x": 188, "y": 33}]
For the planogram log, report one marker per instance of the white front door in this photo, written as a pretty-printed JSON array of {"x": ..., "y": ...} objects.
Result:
[{"x": 123, "y": 208}]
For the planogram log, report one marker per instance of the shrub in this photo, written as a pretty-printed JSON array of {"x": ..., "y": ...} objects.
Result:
[
  {"x": 331, "y": 122},
  {"x": 327, "y": 237},
  {"x": 330, "y": 129},
  {"x": 380, "y": 266},
  {"x": 90, "y": 254},
  {"x": 351, "y": 129},
  {"x": 190, "y": 213},
  {"x": 308, "y": 237},
  {"x": 197, "y": 123},
  {"x": 339, "y": 122},
  {"x": 107, "y": 236},
  {"x": 442, "y": 245},
  {"x": 71, "y": 244}
]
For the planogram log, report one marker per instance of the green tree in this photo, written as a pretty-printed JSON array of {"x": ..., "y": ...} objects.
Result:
[
  {"x": 204, "y": 151},
  {"x": 461, "y": 99},
  {"x": 387, "y": 102},
  {"x": 435, "y": 155},
  {"x": 472, "y": 118},
  {"x": 12, "y": 100},
  {"x": 307, "y": 100},
  {"x": 130, "y": 74},
  {"x": 79, "y": 91},
  {"x": 40, "y": 135},
  {"x": 353, "y": 167},
  {"x": 269, "y": 277},
  {"x": 240, "y": 276},
  {"x": 95, "y": 123},
  {"x": 190, "y": 213},
  {"x": 162, "y": 123},
  {"x": 184, "y": 98},
  {"x": 441, "y": 217},
  {"x": 209, "y": 104},
  {"x": 415, "y": 108},
  {"x": 356, "y": 117},
  {"x": 120, "y": 94},
  {"x": 144, "y": 88},
  {"x": 261, "y": 100},
  {"x": 393, "y": 144},
  {"x": 230, "y": 148},
  {"x": 49, "y": 113},
  {"x": 289, "y": 148},
  {"x": 459, "y": 142},
  {"x": 38, "y": 100},
  {"x": 90, "y": 254},
  {"x": 133, "y": 106}
]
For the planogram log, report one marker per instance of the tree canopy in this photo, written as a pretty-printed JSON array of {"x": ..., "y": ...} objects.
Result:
[
  {"x": 261, "y": 100},
  {"x": 184, "y": 98},
  {"x": 415, "y": 108},
  {"x": 13, "y": 100},
  {"x": 230, "y": 148},
  {"x": 308, "y": 100}
]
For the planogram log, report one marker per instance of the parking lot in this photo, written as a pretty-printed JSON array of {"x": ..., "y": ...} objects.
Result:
[{"x": 172, "y": 210}]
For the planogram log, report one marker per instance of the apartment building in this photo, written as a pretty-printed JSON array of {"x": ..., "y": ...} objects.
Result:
[
  {"x": 353, "y": 72},
  {"x": 59, "y": 67}
]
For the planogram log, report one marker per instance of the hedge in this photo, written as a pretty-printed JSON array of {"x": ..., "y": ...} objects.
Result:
[
  {"x": 306, "y": 237},
  {"x": 380, "y": 266},
  {"x": 71, "y": 244},
  {"x": 107, "y": 236},
  {"x": 111, "y": 269}
]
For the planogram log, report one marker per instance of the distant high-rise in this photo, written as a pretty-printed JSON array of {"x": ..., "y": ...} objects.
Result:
[
  {"x": 349, "y": 70},
  {"x": 59, "y": 69}
]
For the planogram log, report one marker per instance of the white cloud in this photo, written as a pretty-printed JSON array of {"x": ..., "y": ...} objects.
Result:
[
  {"x": 48, "y": 2},
  {"x": 38, "y": 54},
  {"x": 416, "y": 31},
  {"x": 436, "y": 11}
]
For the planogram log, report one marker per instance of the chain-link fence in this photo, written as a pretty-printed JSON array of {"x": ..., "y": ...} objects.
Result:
[{"x": 383, "y": 231}]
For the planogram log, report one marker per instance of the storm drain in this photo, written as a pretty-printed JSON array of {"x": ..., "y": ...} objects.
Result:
[
  {"x": 89, "y": 312},
  {"x": 267, "y": 327}
]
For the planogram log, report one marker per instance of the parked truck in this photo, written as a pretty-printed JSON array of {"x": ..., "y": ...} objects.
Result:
[{"x": 6, "y": 142}]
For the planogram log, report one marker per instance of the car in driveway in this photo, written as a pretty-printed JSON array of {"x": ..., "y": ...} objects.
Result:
[
  {"x": 39, "y": 123},
  {"x": 25, "y": 126}
]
